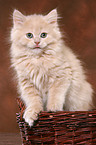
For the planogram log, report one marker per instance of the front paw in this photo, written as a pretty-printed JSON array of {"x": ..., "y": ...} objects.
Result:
[
  {"x": 30, "y": 115},
  {"x": 54, "y": 107}
]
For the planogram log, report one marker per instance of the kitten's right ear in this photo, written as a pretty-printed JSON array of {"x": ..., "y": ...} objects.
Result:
[{"x": 18, "y": 18}]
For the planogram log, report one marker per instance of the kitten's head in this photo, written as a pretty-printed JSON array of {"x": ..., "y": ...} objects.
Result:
[{"x": 35, "y": 34}]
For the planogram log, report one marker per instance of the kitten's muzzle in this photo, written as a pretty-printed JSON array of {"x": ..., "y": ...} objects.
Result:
[{"x": 37, "y": 44}]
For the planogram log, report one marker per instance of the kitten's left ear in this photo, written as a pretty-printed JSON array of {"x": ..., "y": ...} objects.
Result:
[
  {"x": 52, "y": 17},
  {"x": 18, "y": 18}
]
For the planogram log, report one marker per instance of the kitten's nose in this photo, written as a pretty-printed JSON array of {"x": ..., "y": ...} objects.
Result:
[{"x": 37, "y": 42}]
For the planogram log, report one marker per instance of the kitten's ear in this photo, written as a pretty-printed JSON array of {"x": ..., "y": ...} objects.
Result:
[
  {"x": 18, "y": 18},
  {"x": 52, "y": 16}
]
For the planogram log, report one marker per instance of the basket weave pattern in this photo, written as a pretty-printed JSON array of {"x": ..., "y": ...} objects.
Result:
[{"x": 59, "y": 128}]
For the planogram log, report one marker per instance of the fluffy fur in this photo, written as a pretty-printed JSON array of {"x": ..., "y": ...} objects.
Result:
[{"x": 50, "y": 77}]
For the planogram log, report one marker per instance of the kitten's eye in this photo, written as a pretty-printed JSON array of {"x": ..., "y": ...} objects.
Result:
[
  {"x": 29, "y": 35},
  {"x": 43, "y": 35}
]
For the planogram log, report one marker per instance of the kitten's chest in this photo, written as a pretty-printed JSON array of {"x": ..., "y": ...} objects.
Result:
[
  {"x": 39, "y": 77},
  {"x": 38, "y": 71}
]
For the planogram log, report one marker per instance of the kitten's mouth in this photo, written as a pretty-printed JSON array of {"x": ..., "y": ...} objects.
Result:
[{"x": 37, "y": 47}]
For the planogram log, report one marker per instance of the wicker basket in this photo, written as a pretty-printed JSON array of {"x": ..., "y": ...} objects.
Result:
[{"x": 60, "y": 128}]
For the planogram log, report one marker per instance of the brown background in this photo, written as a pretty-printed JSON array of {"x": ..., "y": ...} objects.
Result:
[{"x": 79, "y": 24}]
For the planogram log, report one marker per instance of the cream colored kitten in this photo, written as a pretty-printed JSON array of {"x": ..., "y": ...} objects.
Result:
[{"x": 50, "y": 77}]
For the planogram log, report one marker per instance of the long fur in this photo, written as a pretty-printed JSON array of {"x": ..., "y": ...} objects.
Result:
[{"x": 49, "y": 78}]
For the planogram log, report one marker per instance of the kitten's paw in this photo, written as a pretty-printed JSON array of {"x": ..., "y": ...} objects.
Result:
[
  {"x": 30, "y": 115},
  {"x": 54, "y": 107}
]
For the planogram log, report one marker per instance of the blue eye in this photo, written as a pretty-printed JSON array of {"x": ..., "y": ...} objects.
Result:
[
  {"x": 29, "y": 35},
  {"x": 43, "y": 35}
]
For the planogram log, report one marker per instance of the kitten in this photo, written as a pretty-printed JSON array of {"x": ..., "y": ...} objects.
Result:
[{"x": 50, "y": 77}]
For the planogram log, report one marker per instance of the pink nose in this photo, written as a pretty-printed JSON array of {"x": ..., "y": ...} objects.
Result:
[{"x": 37, "y": 43}]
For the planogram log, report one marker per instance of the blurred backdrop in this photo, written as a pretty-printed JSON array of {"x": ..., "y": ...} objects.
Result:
[{"x": 79, "y": 25}]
